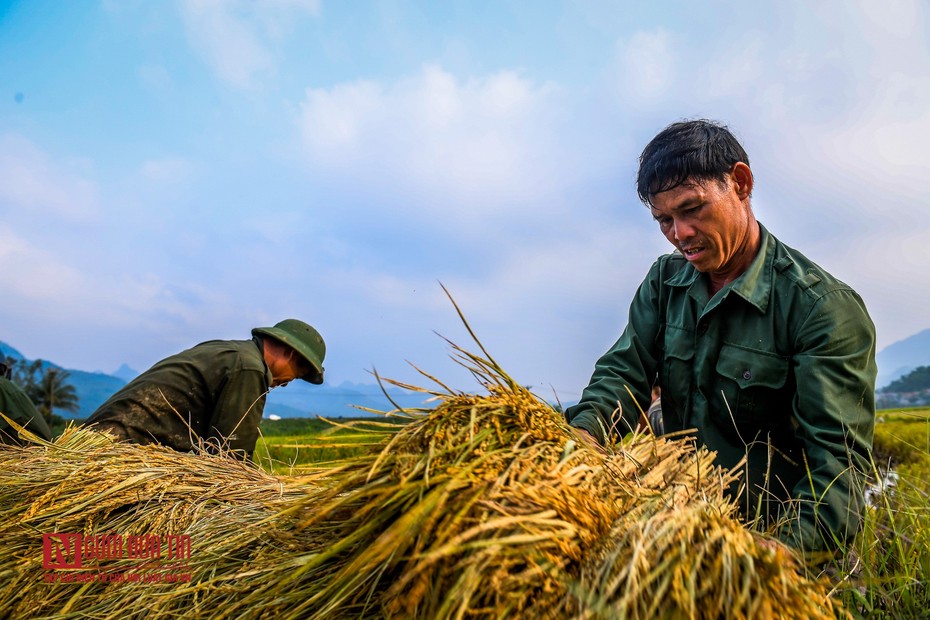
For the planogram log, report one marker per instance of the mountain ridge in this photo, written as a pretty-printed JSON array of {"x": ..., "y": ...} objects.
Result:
[{"x": 903, "y": 356}]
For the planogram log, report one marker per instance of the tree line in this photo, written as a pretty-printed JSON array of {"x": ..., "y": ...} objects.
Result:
[
  {"x": 915, "y": 381},
  {"x": 47, "y": 386}
]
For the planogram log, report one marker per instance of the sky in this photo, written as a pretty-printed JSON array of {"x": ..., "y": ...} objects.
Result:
[{"x": 178, "y": 171}]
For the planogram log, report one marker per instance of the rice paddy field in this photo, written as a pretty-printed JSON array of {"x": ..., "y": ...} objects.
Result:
[
  {"x": 486, "y": 506},
  {"x": 303, "y": 445},
  {"x": 893, "y": 570}
]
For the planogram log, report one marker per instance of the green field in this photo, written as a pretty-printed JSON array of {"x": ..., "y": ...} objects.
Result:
[
  {"x": 902, "y": 436},
  {"x": 892, "y": 576},
  {"x": 294, "y": 446},
  {"x": 902, "y": 439}
]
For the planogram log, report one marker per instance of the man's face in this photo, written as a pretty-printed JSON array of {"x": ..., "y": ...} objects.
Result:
[
  {"x": 710, "y": 223},
  {"x": 286, "y": 366}
]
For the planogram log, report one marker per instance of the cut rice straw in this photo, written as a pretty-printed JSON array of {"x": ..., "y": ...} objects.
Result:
[{"x": 485, "y": 506}]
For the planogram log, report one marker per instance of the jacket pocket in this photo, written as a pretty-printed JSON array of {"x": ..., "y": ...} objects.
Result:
[
  {"x": 752, "y": 384},
  {"x": 677, "y": 376}
]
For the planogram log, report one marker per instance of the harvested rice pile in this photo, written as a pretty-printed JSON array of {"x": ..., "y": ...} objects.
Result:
[{"x": 486, "y": 506}]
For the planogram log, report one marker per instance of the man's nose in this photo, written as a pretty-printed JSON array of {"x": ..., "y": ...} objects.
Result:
[{"x": 683, "y": 231}]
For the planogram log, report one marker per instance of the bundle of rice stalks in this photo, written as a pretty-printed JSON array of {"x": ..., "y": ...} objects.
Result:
[
  {"x": 697, "y": 561},
  {"x": 485, "y": 506},
  {"x": 488, "y": 506},
  {"x": 136, "y": 509}
]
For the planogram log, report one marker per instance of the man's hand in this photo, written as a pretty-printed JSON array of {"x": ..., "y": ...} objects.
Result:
[{"x": 589, "y": 440}]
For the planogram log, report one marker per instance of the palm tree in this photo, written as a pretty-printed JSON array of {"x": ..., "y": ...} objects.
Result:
[
  {"x": 23, "y": 373},
  {"x": 52, "y": 391}
]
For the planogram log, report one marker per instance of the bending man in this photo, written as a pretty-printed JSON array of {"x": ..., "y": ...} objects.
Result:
[{"x": 214, "y": 392}]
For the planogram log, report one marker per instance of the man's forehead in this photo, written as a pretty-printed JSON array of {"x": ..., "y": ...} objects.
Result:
[{"x": 678, "y": 196}]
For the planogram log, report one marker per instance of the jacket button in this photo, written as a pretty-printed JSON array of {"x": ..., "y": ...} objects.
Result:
[{"x": 747, "y": 375}]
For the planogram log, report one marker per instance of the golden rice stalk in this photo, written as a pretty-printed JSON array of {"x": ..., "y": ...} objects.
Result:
[
  {"x": 85, "y": 483},
  {"x": 486, "y": 506},
  {"x": 697, "y": 561}
]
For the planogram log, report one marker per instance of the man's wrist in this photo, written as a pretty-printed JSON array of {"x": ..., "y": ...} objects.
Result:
[{"x": 588, "y": 423}]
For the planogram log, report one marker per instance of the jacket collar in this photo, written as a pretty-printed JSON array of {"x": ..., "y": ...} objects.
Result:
[{"x": 754, "y": 285}]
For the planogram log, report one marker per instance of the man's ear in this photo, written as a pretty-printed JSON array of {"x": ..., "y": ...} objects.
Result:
[{"x": 741, "y": 174}]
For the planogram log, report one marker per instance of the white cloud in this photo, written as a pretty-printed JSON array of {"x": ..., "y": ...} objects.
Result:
[
  {"x": 97, "y": 319},
  {"x": 460, "y": 147},
  {"x": 34, "y": 185},
  {"x": 171, "y": 170},
  {"x": 228, "y": 44},
  {"x": 33, "y": 275},
  {"x": 499, "y": 183},
  {"x": 50, "y": 287},
  {"x": 899, "y": 20},
  {"x": 546, "y": 308},
  {"x": 550, "y": 307},
  {"x": 888, "y": 269},
  {"x": 238, "y": 38},
  {"x": 646, "y": 66},
  {"x": 335, "y": 122}
]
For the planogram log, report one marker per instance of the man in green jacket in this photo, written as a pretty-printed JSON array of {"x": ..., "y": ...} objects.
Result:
[
  {"x": 214, "y": 393},
  {"x": 755, "y": 347},
  {"x": 16, "y": 405}
]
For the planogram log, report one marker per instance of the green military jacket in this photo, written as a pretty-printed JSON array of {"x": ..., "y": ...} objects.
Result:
[
  {"x": 214, "y": 392},
  {"x": 778, "y": 367},
  {"x": 15, "y": 404}
]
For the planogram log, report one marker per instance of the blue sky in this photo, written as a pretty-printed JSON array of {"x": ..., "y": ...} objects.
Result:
[{"x": 172, "y": 172}]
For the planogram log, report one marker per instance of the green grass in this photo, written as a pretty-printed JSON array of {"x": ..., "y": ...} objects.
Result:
[
  {"x": 294, "y": 446},
  {"x": 902, "y": 436},
  {"x": 894, "y": 547}
]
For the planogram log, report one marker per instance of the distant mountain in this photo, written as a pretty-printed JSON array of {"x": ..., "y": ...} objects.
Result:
[
  {"x": 915, "y": 381},
  {"x": 900, "y": 358},
  {"x": 301, "y": 399},
  {"x": 125, "y": 373},
  {"x": 8, "y": 351},
  {"x": 911, "y": 390},
  {"x": 92, "y": 388}
]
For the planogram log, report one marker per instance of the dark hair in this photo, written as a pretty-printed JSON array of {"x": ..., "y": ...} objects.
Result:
[{"x": 699, "y": 150}]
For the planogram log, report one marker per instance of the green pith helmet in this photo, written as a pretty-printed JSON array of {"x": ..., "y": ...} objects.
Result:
[{"x": 303, "y": 339}]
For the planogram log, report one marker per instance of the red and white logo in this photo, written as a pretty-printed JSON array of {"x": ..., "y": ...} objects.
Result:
[{"x": 61, "y": 551}]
